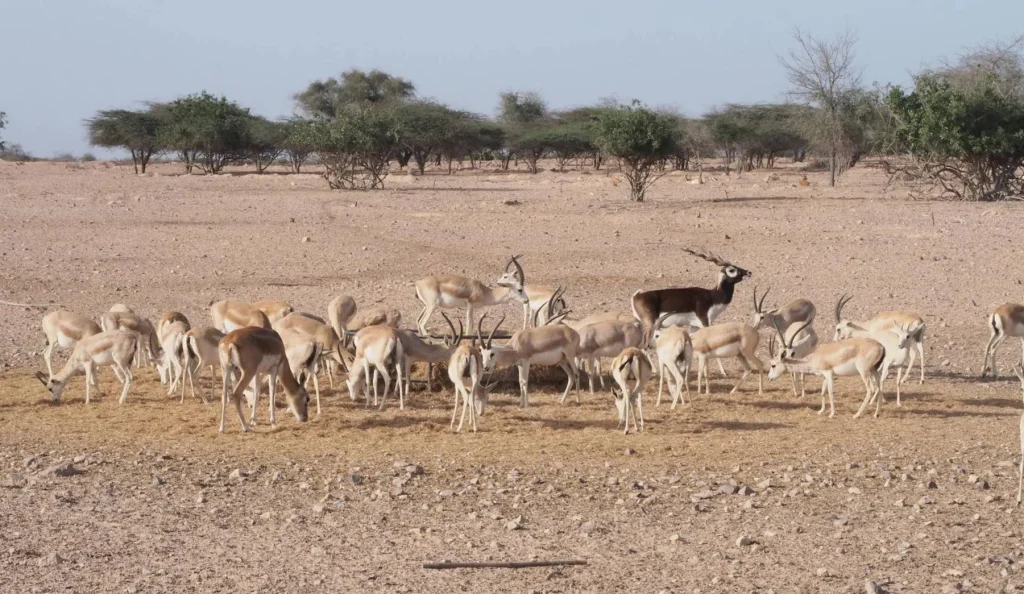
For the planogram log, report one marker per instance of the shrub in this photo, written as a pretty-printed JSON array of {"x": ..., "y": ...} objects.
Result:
[{"x": 639, "y": 139}]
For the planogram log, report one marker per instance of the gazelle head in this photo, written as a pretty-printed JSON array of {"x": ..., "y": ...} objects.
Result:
[
  {"x": 903, "y": 334},
  {"x": 514, "y": 279},
  {"x": 620, "y": 404},
  {"x": 56, "y": 387},
  {"x": 487, "y": 354},
  {"x": 784, "y": 352},
  {"x": 729, "y": 272},
  {"x": 844, "y": 327},
  {"x": 298, "y": 403},
  {"x": 762, "y": 316},
  {"x": 656, "y": 331}
]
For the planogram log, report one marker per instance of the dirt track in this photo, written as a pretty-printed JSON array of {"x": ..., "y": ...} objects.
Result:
[{"x": 156, "y": 510}]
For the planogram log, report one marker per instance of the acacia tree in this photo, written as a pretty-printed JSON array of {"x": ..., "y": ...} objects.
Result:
[
  {"x": 354, "y": 89},
  {"x": 206, "y": 131},
  {"x": 136, "y": 131},
  {"x": 266, "y": 140},
  {"x": 823, "y": 74},
  {"x": 426, "y": 128},
  {"x": 640, "y": 140},
  {"x": 297, "y": 143},
  {"x": 355, "y": 148}
]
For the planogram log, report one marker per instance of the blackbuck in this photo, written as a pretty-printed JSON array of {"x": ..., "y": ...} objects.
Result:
[
  {"x": 64, "y": 329},
  {"x": 730, "y": 340},
  {"x": 250, "y": 353},
  {"x": 674, "y": 349},
  {"x": 553, "y": 344},
  {"x": 199, "y": 351},
  {"x": 1007, "y": 320},
  {"x": 884, "y": 321},
  {"x": 450, "y": 291},
  {"x": 851, "y": 356},
  {"x": 464, "y": 364},
  {"x": 690, "y": 306},
  {"x": 230, "y": 314},
  {"x": 631, "y": 371},
  {"x": 605, "y": 339},
  {"x": 379, "y": 347},
  {"x": 115, "y": 348},
  {"x": 798, "y": 311}
]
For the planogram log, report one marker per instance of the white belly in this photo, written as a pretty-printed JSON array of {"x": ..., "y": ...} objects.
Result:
[
  {"x": 65, "y": 341},
  {"x": 681, "y": 319},
  {"x": 269, "y": 363},
  {"x": 848, "y": 368},
  {"x": 449, "y": 302},
  {"x": 724, "y": 352},
  {"x": 230, "y": 326},
  {"x": 103, "y": 358},
  {"x": 550, "y": 358}
]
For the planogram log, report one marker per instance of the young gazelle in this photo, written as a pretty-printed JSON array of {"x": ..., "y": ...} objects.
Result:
[
  {"x": 796, "y": 312},
  {"x": 632, "y": 365},
  {"x": 1006, "y": 321},
  {"x": 465, "y": 363},
  {"x": 381, "y": 348},
  {"x": 546, "y": 345},
  {"x": 253, "y": 352},
  {"x": 721, "y": 341},
  {"x": 605, "y": 339},
  {"x": 675, "y": 356},
  {"x": 230, "y": 314},
  {"x": 199, "y": 351},
  {"x": 64, "y": 329},
  {"x": 884, "y": 321},
  {"x": 116, "y": 348},
  {"x": 449, "y": 291},
  {"x": 850, "y": 356}
]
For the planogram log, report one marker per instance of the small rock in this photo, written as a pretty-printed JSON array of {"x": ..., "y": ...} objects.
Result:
[
  {"x": 932, "y": 484},
  {"x": 306, "y": 239},
  {"x": 63, "y": 469},
  {"x": 901, "y": 502},
  {"x": 276, "y": 477},
  {"x": 201, "y": 498},
  {"x": 821, "y": 572},
  {"x": 728, "y": 489},
  {"x": 157, "y": 481},
  {"x": 701, "y": 495},
  {"x": 674, "y": 538},
  {"x": 745, "y": 490},
  {"x": 871, "y": 587},
  {"x": 414, "y": 469},
  {"x": 981, "y": 485},
  {"x": 587, "y": 527},
  {"x": 445, "y": 493},
  {"x": 514, "y": 524},
  {"x": 853, "y": 491},
  {"x": 355, "y": 479},
  {"x": 926, "y": 500},
  {"x": 319, "y": 508},
  {"x": 744, "y": 541},
  {"x": 396, "y": 491},
  {"x": 236, "y": 475},
  {"x": 50, "y": 560},
  {"x": 630, "y": 451},
  {"x": 765, "y": 484},
  {"x": 972, "y": 479}
]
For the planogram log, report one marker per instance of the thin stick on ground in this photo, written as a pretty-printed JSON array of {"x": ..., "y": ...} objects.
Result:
[
  {"x": 503, "y": 565},
  {"x": 39, "y": 305}
]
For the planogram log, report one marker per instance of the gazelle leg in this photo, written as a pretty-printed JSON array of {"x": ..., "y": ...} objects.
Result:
[
  {"x": 661, "y": 381},
  {"x": 48, "y": 356},
  {"x": 524, "y": 383},
  {"x": 831, "y": 396},
  {"x": 824, "y": 388},
  {"x": 597, "y": 371},
  {"x": 868, "y": 393},
  {"x": 424, "y": 317},
  {"x": 127, "y": 371},
  {"x": 640, "y": 406},
  {"x": 722, "y": 368},
  {"x": 746, "y": 372},
  {"x": 387, "y": 385},
  {"x": 316, "y": 386},
  {"x": 256, "y": 387}
]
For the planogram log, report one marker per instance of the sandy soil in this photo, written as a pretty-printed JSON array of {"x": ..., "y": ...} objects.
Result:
[{"x": 918, "y": 500}]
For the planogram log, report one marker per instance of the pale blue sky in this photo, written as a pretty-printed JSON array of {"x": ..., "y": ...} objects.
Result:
[{"x": 65, "y": 59}]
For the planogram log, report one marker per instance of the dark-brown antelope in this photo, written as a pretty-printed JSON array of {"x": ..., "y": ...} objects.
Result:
[
  {"x": 251, "y": 352},
  {"x": 451, "y": 291}
]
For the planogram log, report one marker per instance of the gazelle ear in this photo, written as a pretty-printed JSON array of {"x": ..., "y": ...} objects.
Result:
[{"x": 42, "y": 378}]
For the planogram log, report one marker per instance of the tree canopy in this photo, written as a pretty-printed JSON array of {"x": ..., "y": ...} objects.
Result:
[
  {"x": 354, "y": 89},
  {"x": 136, "y": 131},
  {"x": 639, "y": 139}
]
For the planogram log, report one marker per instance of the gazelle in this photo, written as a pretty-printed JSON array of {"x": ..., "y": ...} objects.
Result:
[
  {"x": 803, "y": 340},
  {"x": 675, "y": 356},
  {"x": 274, "y": 310},
  {"x": 120, "y": 308},
  {"x": 693, "y": 306},
  {"x": 417, "y": 350},
  {"x": 329, "y": 345},
  {"x": 466, "y": 363},
  {"x": 884, "y": 321},
  {"x": 605, "y": 316},
  {"x": 896, "y": 341},
  {"x": 303, "y": 354},
  {"x": 148, "y": 342},
  {"x": 199, "y": 351},
  {"x": 542, "y": 301},
  {"x": 796, "y": 312},
  {"x": 632, "y": 365},
  {"x": 64, "y": 329},
  {"x": 605, "y": 339},
  {"x": 229, "y": 315},
  {"x": 1006, "y": 321},
  {"x": 253, "y": 352},
  {"x": 116, "y": 348},
  {"x": 377, "y": 316},
  {"x": 847, "y": 357},
  {"x": 733, "y": 339},
  {"x": 169, "y": 317},
  {"x": 381, "y": 348},
  {"x": 170, "y": 366},
  {"x": 546, "y": 345},
  {"x": 450, "y": 291}
]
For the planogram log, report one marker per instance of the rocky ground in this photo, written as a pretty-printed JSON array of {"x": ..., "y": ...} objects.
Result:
[{"x": 738, "y": 493}]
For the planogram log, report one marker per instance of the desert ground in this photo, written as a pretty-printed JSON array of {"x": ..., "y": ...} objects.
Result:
[{"x": 729, "y": 493}]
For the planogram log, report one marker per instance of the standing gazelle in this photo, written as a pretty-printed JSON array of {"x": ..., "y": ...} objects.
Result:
[
  {"x": 721, "y": 341},
  {"x": 465, "y": 363},
  {"x": 230, "y": 314},
  {"x": 796, "y": 312},
  {"x": 379, "y": 347},
  {"x": 675, "y": 356},
  {"x": 450, "y": 291},
  {"x": 252, "y": 352},
  {"x": 545, "y": 345},
  {"x": 116, "y": 348},
  {"x": 64, "y": 329},
  {"x": 199, "y": 351},
  {"x": 885, "y": 320},
  {"x": 850, "y": 356},
  {"x": 1006, "y": 321},
  {"x": 632, "y": 365}
]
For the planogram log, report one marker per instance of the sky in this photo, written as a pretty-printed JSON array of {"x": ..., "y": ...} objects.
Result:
[{"x": 66, "y": 59}]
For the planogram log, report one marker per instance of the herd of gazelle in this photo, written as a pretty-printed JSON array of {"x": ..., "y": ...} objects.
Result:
[{"x": 267, "y": 340}]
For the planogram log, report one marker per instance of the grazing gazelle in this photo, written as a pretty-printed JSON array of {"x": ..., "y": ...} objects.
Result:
[
  {"x": 450, "y": 291},
  {"x": 381, "y": 348},
  {"x": 64, "y": 329},
  {"x": 675, "y": 356},
  {"x": 545, "y": 345},
  {"x": 632, "y": 365},
  {"x": 329, "y": 346},
  {"x": 116, "y": 348},
  {"x": 304, "y": 355},
  {"x": 693, "y": 306},
  {"x": 1006, "y": 321},
  {"x": 253, "y": 352},
  {"x": 721, "y": 341},
  {"x": 847, "y": 357},
  {"x": 199, "y": 351},
  {"x": 417, "y": 350},
  {"x": 796, "y": 312},
  {"x": 149, "y": 343},
  {"x": 172, "y": 342},
  {"x": 605, "y": 339},
  {"x": 885, "y": 321},
  {"x": 465, "y": 363},
  {"x": 230, "y": 314}
]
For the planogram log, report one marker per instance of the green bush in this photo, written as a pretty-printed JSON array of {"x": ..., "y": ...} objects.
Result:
[{"x": 640, "y": 140}]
